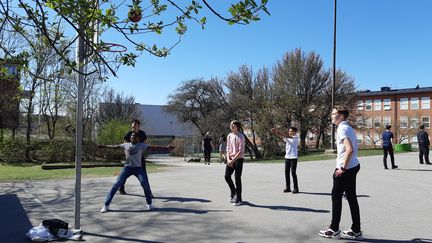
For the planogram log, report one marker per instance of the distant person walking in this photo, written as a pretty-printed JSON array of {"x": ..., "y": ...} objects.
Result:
[
  {"x": 133, "y": 152},
  {"x": 387, "y": 145},
  {"x": 135, "y": 128},
  {"x": 344, "y": 178},
  {"x": 291, "y": 156},
  {"x": 423, "y": 140},
  {"x": 235, "y": 159},
  {"x": 207, "y": 147},
  {"x": 222, "y": 149}
]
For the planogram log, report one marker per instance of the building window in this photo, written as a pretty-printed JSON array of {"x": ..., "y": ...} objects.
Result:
[
  {"x": 360, "y": 105},
  {"x": 414, "y": 103},
  {"x": 377, "y": 139},
  {"x": 386, "y": 120},
  {"x": 414, "y": 122},
  {"x": 404, "y": 122},
  {"x": 377, "y": 105},
  {"x": 369, "y": 122},
  {"x": 426, "y": 121},
  {"x": 360, "y": 138},
  {"x": 404, "y": 103},
  {"x": 377, "y": 122},
  {"x": 368, "y": 105},
  {"x": 387, "y": 104},
  {"x": 425, "y": 103}
]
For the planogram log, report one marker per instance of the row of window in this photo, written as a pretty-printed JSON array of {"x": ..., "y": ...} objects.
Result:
[
  {"x": 385, "y": 104},
  {"x": 404, "y": 122},
  {"x": 368, "y": 140}
]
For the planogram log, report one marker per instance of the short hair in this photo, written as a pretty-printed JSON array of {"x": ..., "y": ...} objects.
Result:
[
  {"x": 388, "y": 126},
  {"x": 237, "y": 124},
  {"x": 421, "y": 126},
  {"x": 294, "y": 129},
  {"x": 136, "y": 121},
  {"x": 343, "y": 111}
]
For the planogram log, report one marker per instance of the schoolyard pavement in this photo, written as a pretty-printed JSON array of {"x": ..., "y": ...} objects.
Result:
[{"x": 191, "y": 204}]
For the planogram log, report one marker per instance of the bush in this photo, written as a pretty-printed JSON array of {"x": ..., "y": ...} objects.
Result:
[
  {"x": 56, "y": 150},
  {"x": 13, "y": 150},
  {"x": 178, "y": 147},
  {"x": 112, "y": 133}
]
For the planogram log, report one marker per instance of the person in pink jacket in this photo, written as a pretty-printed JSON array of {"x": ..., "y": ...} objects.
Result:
[{"x": 235, "y": 158}]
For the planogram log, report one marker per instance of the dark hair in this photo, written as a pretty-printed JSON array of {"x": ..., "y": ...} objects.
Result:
[
  {"x": 421, "y": 126},
  {"x": 294, "y": 129},
  {"x": 388, "y": 126},
  {"x": 136, "y": 121},
  {"x": 237, "y": 124},
  {"x": 343, "y": 111}
]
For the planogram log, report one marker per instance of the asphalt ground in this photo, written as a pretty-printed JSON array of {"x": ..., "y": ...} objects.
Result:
[{"x": 191, "y": 204}]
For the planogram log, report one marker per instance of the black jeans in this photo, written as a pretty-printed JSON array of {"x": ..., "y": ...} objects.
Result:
[
  {"x": 345, "y": 183},
  {"x": 291, "y": 164},
  {"x": 388, "y": 150},
  {"x": 238, "y": 168},
  {"x": 207, "y": 153},
  {"x": 424, "y": 152}
]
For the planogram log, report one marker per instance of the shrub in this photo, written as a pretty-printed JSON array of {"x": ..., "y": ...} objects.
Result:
[
  {"x": 57, "y": 150},
  {"x": 112, "y": 133},
  {"x": 13, "y": 150}
]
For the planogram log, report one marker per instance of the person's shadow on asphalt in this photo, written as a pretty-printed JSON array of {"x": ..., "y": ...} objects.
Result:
[{"x": 287, "y": 208}]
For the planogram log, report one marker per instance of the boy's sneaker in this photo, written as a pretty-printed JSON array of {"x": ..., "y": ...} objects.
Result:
[
  {"x": 150, "y": 207},
  {"x": 349, "y": 234},
  {"x": 104, "y": 209},
  {"x": 329, "y": 233},
  {"x": 233, "y": 199},
  {"x": 238, "y": 203},
  {"x": 287, "y": 190}
]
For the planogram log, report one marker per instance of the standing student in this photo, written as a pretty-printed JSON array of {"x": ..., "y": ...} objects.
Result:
[
  {"x": 235, "y": 159},
  {"x": 133, "y": 152},
  {"x": 291, "y": 156},
  {"x": 135, "y": 128},
  {"x": 207, "y": 147},
  {"x": 344, "y": 178},
  {"x": 424, "y": 143},
  {"x": 387, "y": 145},
  {"x": 222, "y": 148}
]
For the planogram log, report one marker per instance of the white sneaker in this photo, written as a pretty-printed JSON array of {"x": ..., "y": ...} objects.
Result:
[
  {"x": 104, "y": 209},
  {"x": 238, "y": 203},
  {"x": 150, "y": 207}
]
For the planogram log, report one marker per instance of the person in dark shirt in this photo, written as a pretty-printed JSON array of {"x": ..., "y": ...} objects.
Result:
[
  {"x": 135, "y": 128},
  {"x": 424, "y": 143},
  {"x": 387, "y": 145},
  {"x": 207, "y": 147}
]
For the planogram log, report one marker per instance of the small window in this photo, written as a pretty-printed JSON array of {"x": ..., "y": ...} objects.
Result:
[
  {"x": 386, "y": 120},
  {"x": 377, "y": 122},
  {"x": 425, "y": 120},
  {"x": 377, "y": 105},
  {"x": 368, "y": 105},
  {"x": 377, "y": 139},
  {"x": 387, "y": 104},
  {"x": 369, "y": 122},
  {"x": 404, "y": 122},
  {"x": 414, "y": 103},
  {"x": 425, "y": 103},
  {"x": 414, "y": 122},
  {"x": 404, "y": 103},
  {"x": 360, "y": 138},
  {"x": 360, "y": 105}
]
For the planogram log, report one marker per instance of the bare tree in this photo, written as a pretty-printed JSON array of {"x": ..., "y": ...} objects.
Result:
[{"x": 116, "y": 106}]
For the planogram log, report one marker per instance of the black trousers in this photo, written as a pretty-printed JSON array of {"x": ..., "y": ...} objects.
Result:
[
  {"x": 237, "y": 169},
  {"x": 291, "y": 165},
  {"x": 388, "y": 150},
  {"x": 207, "y": 153},
  {"x": 424, "y": 152},
  {"x": 345, "y": 183}
]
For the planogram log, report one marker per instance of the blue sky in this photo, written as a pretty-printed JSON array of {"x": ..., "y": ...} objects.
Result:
[{"x": 379, "y": 43}]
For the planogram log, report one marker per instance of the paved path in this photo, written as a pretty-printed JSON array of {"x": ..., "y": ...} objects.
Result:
[{"x": 192, "y": 204}]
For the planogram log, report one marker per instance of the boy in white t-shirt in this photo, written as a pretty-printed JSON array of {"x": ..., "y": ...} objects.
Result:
[{"x": 291, "y": 156}]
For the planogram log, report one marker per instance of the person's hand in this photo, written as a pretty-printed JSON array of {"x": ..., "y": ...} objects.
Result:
[{"x": 339, "y": 172}]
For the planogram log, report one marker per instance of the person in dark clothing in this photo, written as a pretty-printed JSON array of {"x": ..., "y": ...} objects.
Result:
[
  {"x": 424, "y": 143},
  {"x": 135, "y": 128},
  {"x": 387, "y": 145},
  {"x": 207, "y": 147}
]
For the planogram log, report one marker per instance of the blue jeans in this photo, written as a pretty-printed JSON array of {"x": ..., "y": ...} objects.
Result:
[{"x": 124, "y": 174}]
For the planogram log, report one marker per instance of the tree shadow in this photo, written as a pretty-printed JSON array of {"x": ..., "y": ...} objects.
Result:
[
  {"x": 175, "y": 199},
  {"x": 170, "y": 210},
  {"x": 287, "y": 208},
  {"x": 117, "y": 238},
  {"x": 14, "y": 223}
]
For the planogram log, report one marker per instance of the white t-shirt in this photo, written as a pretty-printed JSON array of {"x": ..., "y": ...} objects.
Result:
[
  {"x": 345, "y": 131},
  {"x": 291, "y": 147}
]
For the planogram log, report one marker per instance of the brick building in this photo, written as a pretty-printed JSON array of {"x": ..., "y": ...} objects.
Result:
[{"x": 404, "y": 109}]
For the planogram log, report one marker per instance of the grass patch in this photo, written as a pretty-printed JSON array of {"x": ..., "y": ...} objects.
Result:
[{"x": 35, "y": 172}]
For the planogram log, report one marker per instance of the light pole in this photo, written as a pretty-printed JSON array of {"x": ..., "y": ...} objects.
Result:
[{"x": 333, "y": 88}]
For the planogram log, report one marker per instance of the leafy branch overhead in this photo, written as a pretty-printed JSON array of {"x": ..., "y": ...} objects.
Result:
[{"x": 103, "y": 22}]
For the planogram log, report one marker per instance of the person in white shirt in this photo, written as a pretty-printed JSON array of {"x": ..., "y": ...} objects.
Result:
[
  {"x": 291, "y": 156},
  {"x": 344, "y": 178}
]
